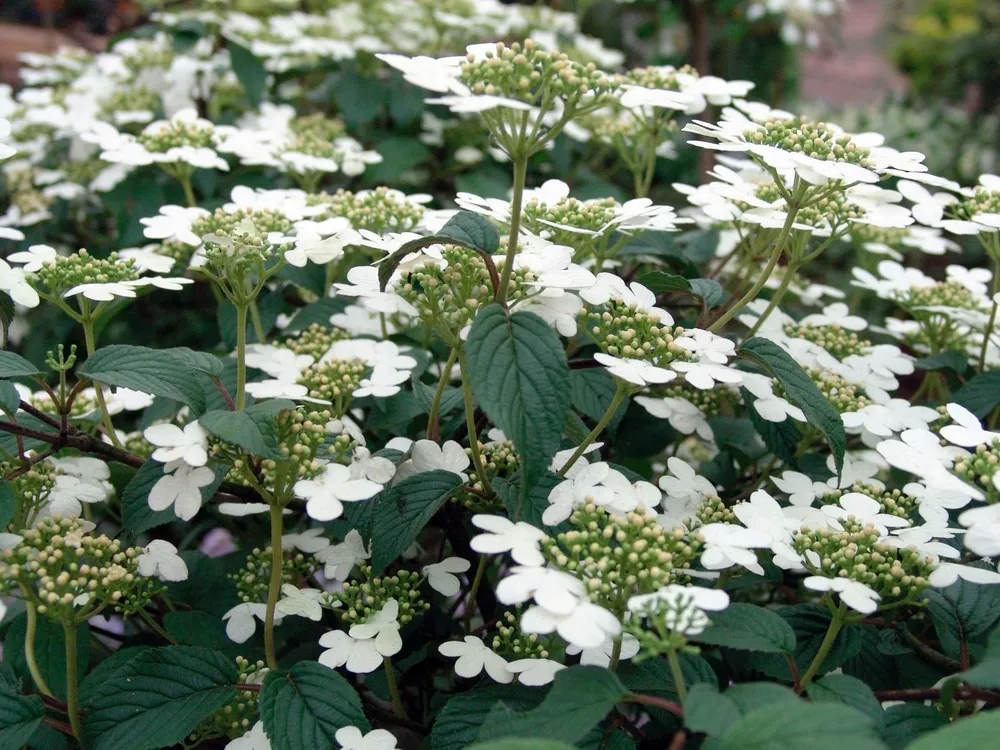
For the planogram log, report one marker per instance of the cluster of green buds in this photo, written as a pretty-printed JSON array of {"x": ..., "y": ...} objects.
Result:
[
  {"x": 136, "y": 444},
  {"x": 253, "y": 579},
  {"x": 510, "y": 643},
  {"x": 661, "y": 628},
  {"x": 65, "y": 272},
  {"x": 181, "y": 252},
  {"x": 889, "y": 236},
  {"x": 240, "y": 253},
  {"x": 70, "y": 574},
  {"x": 982, "y": 201},
  {"x": 712, "y": 510},
  {"x": 618, "y": 556},
  {"x": 318, "y": 126},
  {"x": 335, "y": 381},
  {"x": 711, "y": 402},
  {"x": 380, "y": 210},
  {"x": 894, "y": 502},
  {"x": 447, "y": 298},
  {"x": 859, "y": 553},
  {"x": 303, "y": 442},
  {"x": 83, "y": 171},
  {"x": 146, "y": 55},
  {"x": 832, "y": 211},
  {"x": 177, "y": 133},
  {"x": 499, "y": 460},
  {"x": 236, "y": 717},
  {"x": 624, "y": 330},
  {"x": 941, "y": 294},
  {"x": 981, "y": 469},
  {"x": 31, "y": 490},
  {"x": 360, "y": 599},
  {"x": 816, "y": 140},
  {"x": 314, "y": 340},
  {"x": 590, "y": 216},
  {"x": 844, "y": 395},
  {"x": 834, "y": 338},
  {"x": 135, "y": 99}
]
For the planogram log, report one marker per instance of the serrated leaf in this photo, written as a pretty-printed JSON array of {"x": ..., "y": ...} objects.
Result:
[
  {"x": 662, "y": 282},
  {"x": 402, "y": 511},
  {"x": 252, "y": 429},
  {"x": 980, "y": 395},
  {"x": 169, "y": 373},
  {"x": 50, "y": 652},
  {"x": 137, "y": 516},
  {"x": 20, "y": 716},
  {"x": 751, "y": 628},
  {"x": 465, "y": 228},
  {"x": 456, "y": 725},
  {"x": 518, "y": 371},
  {"x": 799, "y": 725},
  {"x": 108, "y": 669},
  {"x": 801, "y": 391},
  {"x": 451, "y": 397},
  {"x": 302, "y": 708},
  {"x": 973, "y": 733},
  {"x": 537, "y": 498},
  {"x": 249, "y": 70},
  {"x": 580, "y": 698},
  {"x": 962, "y": 612},
  {"x": 591, "y": 392},
  {"x": 946, "y": 360},
  {"x": 905, "y": 723},
  {"x": 15, "y": 366},
  {"x": 9, "y": 397},
  {"x": 159, "y": 698},
  {"x": 654, "y": 675},
  {"x": 841, "y": 688}
]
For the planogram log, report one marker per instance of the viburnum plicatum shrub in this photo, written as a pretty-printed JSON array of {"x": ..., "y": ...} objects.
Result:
[{"x": 539, "y": 472}]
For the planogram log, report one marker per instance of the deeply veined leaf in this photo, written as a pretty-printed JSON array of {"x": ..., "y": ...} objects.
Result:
[
  {"x": 519, "y": 374},
  {"x": 800, "y": 725},
  {"x": 751, "y": 628},
  {"x": 842, "y": 688},
  {"x": 50, "y": 652},
  {"x": 20, "y": 716},
  {"x": 801, "y": 391},
  {"x": 159, "y": 698},
  {"x": 981, "y": 394},
  {"x": 302, "y": 708},
  {"x": 457, "y": 724},
  {"x": 251, "y": 429},
  {"x": 15, "y": 366}
]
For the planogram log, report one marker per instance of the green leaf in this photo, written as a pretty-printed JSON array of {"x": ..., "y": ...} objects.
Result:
[
  {"x": 465, "y": 228},
  {"x": 249, "y": 70},
  {"x": 905, "y": 723},
  {"x": 359, "y": 97},
  {"x": 252, "y": 429},
  {"x": 709, "y": 290},
  {"x": 109, "y": 669},
  {"x": 654, "y": 675},
  {"x": 987, "y": 672},
  {"x": 20, "y": 716},
  {"x": 7, "y": 312},
  {"x": 456, "y": 725},
  {"x": 946, "y": 360},
  {"x": 451, "y": 397},
  {"x": 801, "y": 391},
  {"x": 399, "y": 154},
  {"x": 662, "y": 282},
  {"x": 810, "y": 624},
  {"x": 973, "y": 733},
  {"x": 707, "y": 711},
  {"x": 980, "y": 395},
  {"x": 522, "y": 744},
  {"x": 841, "y": 688},
  {"x": 169, "y": 373},
  {"x": 8, "y": 506},
  {"x": 15, "y": 366},
  {"x": 591, "y": 392},
  {"x": 302, "y": 708},
  {"x": 518, "y": 371},
  {"x": 749, "y": 627},
  {"x": 318, "y": 312},
  {"x": 800, "y": 725},
  {"x": 403, "y": 510},
  {"x": 159, "y": 698},
  {"x": 9, "y": 397},
  {"x": 137, "y": 516},
  {"x": 50, "y": 651},
  {"x": 781, "y": 438},
  {"x": 962, "y": 612},
  {"x": 193, "y": 628},
  {"x": 580, "y": 698},
  {"x": 537, "y": 499}
]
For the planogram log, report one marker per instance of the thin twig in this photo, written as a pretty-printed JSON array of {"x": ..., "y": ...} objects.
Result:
[
  {"x": 962, "y": 692},
  {"x": 652, "y": 700}
]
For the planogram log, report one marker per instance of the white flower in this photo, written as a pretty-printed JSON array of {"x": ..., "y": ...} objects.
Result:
[
  {"x": 171, "y": 284},
  {"x": 147, "y": 259},
  {"x": 553, "y": 589},
  {"x": 376, "y": 468},
  {"x": 35, "y": 258},
  {"x": 273, "y": 388},
  {"x": 635, "y": 371},
  {"x": 948, "y": 573},
  {"x": 351, "y": 738},
  {"x": 864, "y": 510},
  {"x": 473, "y": 657},
  {"x": 503, "y": 535},
  {"x": 105, "y": 292},
  {"x": 683, "y": 416},
  {"x": 325, "y": 494},
  {"x": 601, "y": 655},
  {"x": 160, "y": 559},
  {"x": 707, "y": 345},
  {"x": 340, "y": 559},
  {"x": 302, "y": 602},
  {"x": 382, "y": 383},
  {"x": 182, "y": 489},
  {"x": 684, "y": 606},
  {"x": 854, "y": 594},
  {"x": 684, "y": 484},
  {"x": 255, "y": 739},
  {"x": 727, "y": 545},
  {"x": 967, "y": 432},
  {"x": 837, "y": 314},
  {"x": 441, "y": 576},
  {"x": 189, "y": 445},
  {"x": 309, "y": 541},
  {"x": 801, "y": 490},
  {"x": 427, "y": 455},
  {"x": 587, "y": 626},
  {"x": 241, "y": 620},
  {"x": 383, "y": 627},
  {"x": 705, "y": 375},
  {"x": 535, "y": 672},
  {"x": 359, "y": 656},
  {"x": 13, "y": 282}
]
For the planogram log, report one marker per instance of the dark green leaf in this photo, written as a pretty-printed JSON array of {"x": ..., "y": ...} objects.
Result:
[
  {"x": 318, "y": 312},
  {"x": 249, "y": 70},
  {"x": 709, "y": 290},
  {"x": 519, "y": 374},
  {"x": 987, "y": 672},
  {"x": 962, "y": 612},
  {"x": 109, "y": 669},
  {"x": 50, "y": 652},
  {"x": 359, "y": 97},
  {"x": 8, "y": 507},
  {"x": 160, "y": 697},
  {"x": 781, "y": 438},
  {"x": 6, "y": 315},
  {"x": 137, "y": 516},
  {"x": 522, "y": 743},
  {"x": 252, "y": 429},
  {"x": 973, "y": 733},
  {"x": 451, "y": 397},
  {"x": 749, "y": 627},
  {"x": 10, "y": 399},
  {"x": 981, "y": 394},
  {"x": 800, "y": 725},
  {"x": 15, "y": 366},
  {"x": 302, "y": 708},
  {"x": 403, "y": 510},
  {"x": 801, "y": 391},
  {"x": 810, "y": 624},
  {"x": 457, "y": 724},
  {"x": 705, "y": 710},
  {"x": 840, "y": 688},
  {"x": 20, "y": 716},
  {"x": 661, "y": 282},
  {"x": 905, "y": 723},
  {"x": 591, "y": 392},
  {"x": 399, "y": 154},
  {"x": 946, "y": 360},
  {"x": 537, "y": 499}
]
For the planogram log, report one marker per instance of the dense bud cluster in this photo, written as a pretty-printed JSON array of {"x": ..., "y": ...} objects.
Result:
[
  {"x": 836, "y": 339},
  {"x": 360, "y": 600},
  {"x": 981, "y": 469},
  {"x": 177, "y": 133},
  {"x": 893, "y": 502},
  {"x": 624, "y": 330},
  {"x": 982, "y": 201},
  {"x": 818, "y": 140},
  {"x": 380, "y": 210},
  {"x": 591, "y": 216},
  {"x": 942, "y": 294},
  {"x": 237, "y": 716},
  {"x": 66, "y": 272},
  {"x": 511, "y": 643},
  {"x": 314, "y": 340},
  {"x": 253, "y": 578},
  {"x": 31, "y": 490},
  {"x": 844, "y": 395},
  {"x": 334, "y": 381}
]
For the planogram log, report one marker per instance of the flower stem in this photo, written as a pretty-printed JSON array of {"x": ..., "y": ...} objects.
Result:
[
  {"x": 616, "y": 655},
  {"x": 109, "y": 427},
  {"x": 258, "y": 325},
  {"x": 185, "y": 180},
  {"x": 676, "y": 673},
  {"x": 775, "y": 299},
  {"x": 241, "y": 356},
  {"x": 432, "y": 418},
  {"x": 72, "y": 700},
  {"x": 390, "y": 680},
  {"x": 470, "y": 601},
  {"x": 993, "y": 315},
  {"x": 274, "y": 586},
  {"x": 520, "y": 175},
  {"x": 751, "y": 295},
  {"x": 470, "y": 421},
  {"x": 156, "y": 627},
  {"x": 824, "y": 648},
  {"x": 620, "y": 395},
  {"x": 29, "y": 648}
]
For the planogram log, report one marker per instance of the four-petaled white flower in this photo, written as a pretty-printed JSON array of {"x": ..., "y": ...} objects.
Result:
[
  {"x": 383, "y": 627},
  {"x": 351, "y": 738},
  {"x": 301, "y": 602},
  {"x": 503, "y": 535},
  {"x": 189, "y": 445},
  {"x": 358, "y": 656},
  {"x": 854, "y": 594},
  {"x": 334, "y": 486},
  {"x": 241, "y": 620},
  {"x": 635, "y": 371},
  {"x": 340, "y": 559},
  {"x": 160, "y": 559},
  {"x": 442, "y": 576},
  {"x": 181, "y": 486},
  {"x": 474, "y": 656},
  {"x": 535, "y": 672}
]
